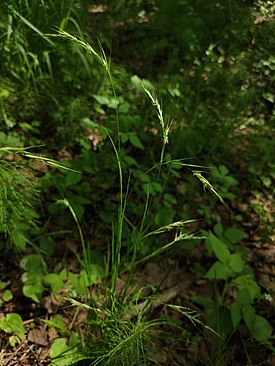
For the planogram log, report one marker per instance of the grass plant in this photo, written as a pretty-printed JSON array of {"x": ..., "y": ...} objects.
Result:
[
  {"x": 123, "y": 342},
  {"x": 144, "y": 217}
]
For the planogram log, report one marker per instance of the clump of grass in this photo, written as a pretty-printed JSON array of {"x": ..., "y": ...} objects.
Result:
[
  {"x": 120, "y": 334},
  {"x": 123, "y": 342}
]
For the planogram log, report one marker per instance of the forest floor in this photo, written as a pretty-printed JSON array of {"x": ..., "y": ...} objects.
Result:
[{"x": 176, "y": 282}]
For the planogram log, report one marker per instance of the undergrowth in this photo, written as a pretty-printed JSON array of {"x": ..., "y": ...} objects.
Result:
[{"x": 123, "y": 193}]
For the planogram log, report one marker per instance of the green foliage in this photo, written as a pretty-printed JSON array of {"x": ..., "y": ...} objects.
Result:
[
  {"x": 35, "y": 270},
  {"x": 12, "y": 324},
  {"x": 224, "y": 181},
  {"x": 5, "y": 294},
  {"x": 37, "y": 279},
  {"x": 124, "y": 186},
  {"x": 64, "y": 354},
  {"x": 36, "y": 68},
  {"x": 18, "y": 197},
  {"x": 228, "y": 264},
  {"x": 226, "y": 314},
  {"x": 122, "y": 341}
]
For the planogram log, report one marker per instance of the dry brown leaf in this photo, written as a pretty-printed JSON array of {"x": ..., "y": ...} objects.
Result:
[
  {"x": 38, "y": 336},
  {"x": 52, "y": 334}
]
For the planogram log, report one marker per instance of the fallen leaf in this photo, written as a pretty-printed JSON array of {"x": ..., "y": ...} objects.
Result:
[{"x": 38, "y": 336}]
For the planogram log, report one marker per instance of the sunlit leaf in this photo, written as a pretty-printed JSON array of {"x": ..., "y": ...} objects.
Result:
[
  {"x": 219, "y": 271},
  {"x": 219, "y": 248}
]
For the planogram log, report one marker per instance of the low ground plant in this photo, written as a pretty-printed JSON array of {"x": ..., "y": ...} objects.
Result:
[{"x": 232, "y": 310}]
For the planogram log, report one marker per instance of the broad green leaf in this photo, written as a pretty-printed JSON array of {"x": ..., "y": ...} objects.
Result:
[
  {"x": 223, "y": 169},
  {"x": 12, "y": 323},
  {"x": 143, "y": 177},
  {"x": 58, "y": 347},
  {"x": 236, "y": 314},
  {"x": 109, "y": 101},
  {"x": 4, "y": 326},
  {"x": 85, "y": 279},
  {"x": 4, "y": 93},
  {"x": 261, "y": 329},
  {"x": 157, "y": 187},
  {"x": 73, "y": 280},
  {"x": 231, "y": 182},
  {"x": 247, "y": 283},
  {"x": 79, "y": 284},
  {"x": 97, "y": 272},
  {"x": 129, "y": 160},
  {"x": 88, "y": 124},
  {"x": 72, "y": 178},
  {"x": 235, "y": 262},
  {"x": 90, "y": 275},
  {"x": 124, "y": 137},
  {"x": 63, "y": 274},
  {"x": 219, "y": 248},
  {"x": 234, "y": 235},
  {"x": 218, "y": 229},
  {"x": 219, "y": 271},
  {"x": 175, "y": 92},
  {"x": 63, "y": 355},
  {"x": 35, "y": 269},
  {"x": 57, "y": 322},
  {"x": 69, "y": 358},
  {"x": 266, "y": 181},
  {"x": 75, "y": 340},
  {"x": 34, "y": 264},
  {"x": 3, "y": 285},
  {"x": 16, "y": 324},
  {"x": 135, "y": 141},
  {"x": 7, "y": 295},
  {"x": 138, "y": 83},
  {"x": 249, "y": 315},
  {"x": 243, "y": 297},
  {"x": 55, "y": 281},
  {"x": 34, "y": 292},
  {"x": 269, "y": 97}
]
